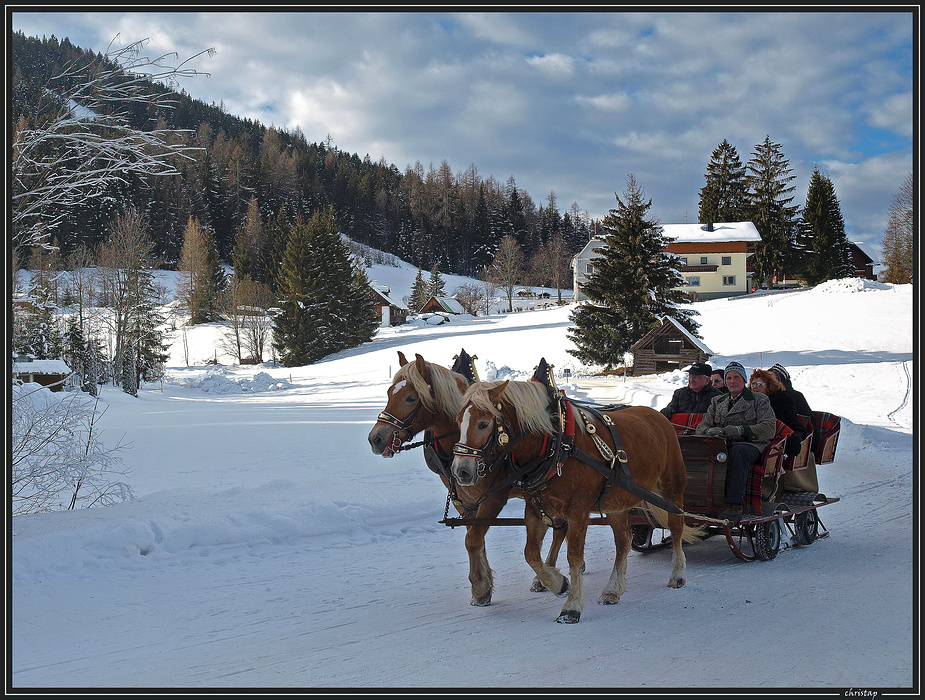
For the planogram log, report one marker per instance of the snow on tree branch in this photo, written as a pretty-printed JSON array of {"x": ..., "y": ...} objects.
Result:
[{"x": 76, "y": 154}]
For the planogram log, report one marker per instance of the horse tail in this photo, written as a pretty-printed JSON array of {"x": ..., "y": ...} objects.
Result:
[{"x": 691, "y": 533}]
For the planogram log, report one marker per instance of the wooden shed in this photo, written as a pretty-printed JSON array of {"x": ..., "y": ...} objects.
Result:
[
  {"x": 442, "y": 305},
  {"x": 50, "y": 373},
  {"x": 388, "y": 311},
  {"x": 667, "y": 347}
]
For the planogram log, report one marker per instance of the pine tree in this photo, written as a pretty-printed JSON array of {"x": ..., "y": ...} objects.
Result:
[
  {"x": 769, "y": 197},
  {"x": 436, "y": 287},
  {"x": 634, "y": 283},
  {"x": 418, "y": 293},
  {"x": 722, "y": 198},
  {"x": 326, "y": 302},
  {"x": 821, "y": 242}
]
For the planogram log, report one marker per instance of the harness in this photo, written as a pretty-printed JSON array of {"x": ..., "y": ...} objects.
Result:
[{"x": 532, "y": 476}]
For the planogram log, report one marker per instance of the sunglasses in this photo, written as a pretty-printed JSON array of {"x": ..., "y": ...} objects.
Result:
[
  {"x": 757, "y": 383},
  {"x": 717, "y": 381}
]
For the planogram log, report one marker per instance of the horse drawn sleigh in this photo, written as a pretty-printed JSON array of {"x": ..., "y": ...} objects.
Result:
[{"x": 641, "y": 474}]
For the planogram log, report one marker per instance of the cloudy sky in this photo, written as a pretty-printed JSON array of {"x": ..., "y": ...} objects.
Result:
[{"x": 569, "y": 103}]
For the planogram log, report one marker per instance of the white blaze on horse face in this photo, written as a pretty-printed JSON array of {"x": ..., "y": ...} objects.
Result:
[
  {"x": 464, "y": 425},
  {"x": 395, "y": 388}
]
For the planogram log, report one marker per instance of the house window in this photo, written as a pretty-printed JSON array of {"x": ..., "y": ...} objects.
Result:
[
  {"x": 727, "y": 260},
  {"x": 589, "y": 270},
  {"x": 729, "y": 280},
  {"x": 684, "y": 262},
  {"x": 692, "y": 281},
  {"x": 703, "y": 260}
]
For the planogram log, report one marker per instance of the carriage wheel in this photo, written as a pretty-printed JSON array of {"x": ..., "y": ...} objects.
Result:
[
  {"x": 766, "y": 540},
  {"x": 805, "y": 527},
  {"x": 642, "y": 538}
]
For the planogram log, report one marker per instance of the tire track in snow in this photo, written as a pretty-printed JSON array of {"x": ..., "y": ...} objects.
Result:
[{"x": 905, "y": 401}]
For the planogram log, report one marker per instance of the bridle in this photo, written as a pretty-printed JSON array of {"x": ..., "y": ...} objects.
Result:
[{"x": 395, "y": 442}]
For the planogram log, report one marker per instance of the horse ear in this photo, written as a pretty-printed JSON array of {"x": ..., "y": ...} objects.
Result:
[
  {"x": 422, "y": 367},
  {"x": 494, "y": 394},
  {"x": 401, "y": 359}
]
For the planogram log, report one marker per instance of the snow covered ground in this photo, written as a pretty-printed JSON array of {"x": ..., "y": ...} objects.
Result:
[{"x": 269, "y": 548}]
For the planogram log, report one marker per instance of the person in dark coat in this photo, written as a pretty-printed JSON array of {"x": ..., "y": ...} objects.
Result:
[
  {"x": 696, "y": 396},
  {"x": 718, "y": 382},
  {"x": 799, "y": 401},
  {"x": 766, "y": 382}
]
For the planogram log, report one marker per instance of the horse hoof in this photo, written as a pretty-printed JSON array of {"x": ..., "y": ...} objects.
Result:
[
  {"x": 609, "y": 599},
  {"x": 569, "y": 617},
  {"x": 480, "y": 602},
  {"x": 538, "y": 587},
  {"x": 676, "y": 582},
  {"x": 564, "y": 588}
]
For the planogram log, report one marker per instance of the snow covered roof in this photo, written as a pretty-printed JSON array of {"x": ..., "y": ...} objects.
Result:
[
  {"x": 41, "y": 367},
  {"x": 383, "y": 292},
  {"x": 721, "y": 233},
  {"x": 450, "y": 304}
]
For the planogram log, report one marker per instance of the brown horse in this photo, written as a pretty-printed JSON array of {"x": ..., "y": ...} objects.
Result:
[
  {"x": 426, "y": 397},
  {"x": 507, "y": 424}
]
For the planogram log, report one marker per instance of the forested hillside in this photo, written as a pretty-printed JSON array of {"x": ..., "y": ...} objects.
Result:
[{"x": 429, "y": 216}]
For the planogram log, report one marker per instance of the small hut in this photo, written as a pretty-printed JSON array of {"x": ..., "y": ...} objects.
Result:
[
  {"x": 50, "y": 373},
  {"x": 389, "y": 311},
  {"x": 442, "y": 305},
  {"x": 667, "y": 347}
]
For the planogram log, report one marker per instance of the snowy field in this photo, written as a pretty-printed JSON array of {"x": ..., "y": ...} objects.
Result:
[{"x": 269, "y": 548}]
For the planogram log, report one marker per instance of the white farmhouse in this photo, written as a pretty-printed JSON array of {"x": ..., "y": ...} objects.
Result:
[{"x": 714, "y": 258}]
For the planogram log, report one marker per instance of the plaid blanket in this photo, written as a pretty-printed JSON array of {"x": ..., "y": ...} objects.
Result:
[
  {"x": 684, "y": 423},
  {"x": 768, "y": 465},
  {"x": 826, "y": 428}
]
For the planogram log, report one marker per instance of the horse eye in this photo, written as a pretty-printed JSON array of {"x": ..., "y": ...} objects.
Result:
[
  {"x": 411, "y": 398},
  {"x": 483, "y": 424}
]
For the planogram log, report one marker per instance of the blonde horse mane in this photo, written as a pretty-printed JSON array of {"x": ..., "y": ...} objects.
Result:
[
  {"x": 442, "y": 395},
  {"x": 529, "y": 398}
]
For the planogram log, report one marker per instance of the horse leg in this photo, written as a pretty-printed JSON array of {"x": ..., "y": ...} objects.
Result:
[
  {"x": 558, "y": 537},
  {"x": 576, "y": 533},
  {"x": 480, "y": 574},
  {"x": 678, "y": 560},
  {"x": 548, "y": 578},
  {"x": 616, "y": 586}
]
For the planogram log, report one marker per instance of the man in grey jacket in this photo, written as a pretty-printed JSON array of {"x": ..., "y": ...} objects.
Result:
[{"x": 747, "y": 421}]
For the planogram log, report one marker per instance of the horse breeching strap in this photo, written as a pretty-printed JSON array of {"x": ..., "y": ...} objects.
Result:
[{"x": 615, "y": 458}]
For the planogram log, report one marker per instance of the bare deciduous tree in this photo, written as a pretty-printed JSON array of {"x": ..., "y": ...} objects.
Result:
[
  {"x": 57, "y": 461},
  {"x": 88, "y": 143},
  {"x": 507, "y": 269}
]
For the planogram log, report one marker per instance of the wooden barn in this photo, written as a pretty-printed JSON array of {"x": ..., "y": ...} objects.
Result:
[
  {"x": 442, "y": 305},
  {"x": 667, "y": 347}
]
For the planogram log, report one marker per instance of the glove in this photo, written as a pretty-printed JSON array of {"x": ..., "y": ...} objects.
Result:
[
  {"x": 734, "y": 432},
  {"x": 714, "y": 431}
]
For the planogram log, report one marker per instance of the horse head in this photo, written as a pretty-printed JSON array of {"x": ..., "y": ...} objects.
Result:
[
  {"x": 422, "y": 396},
  {"x": 492, "y": 416}
]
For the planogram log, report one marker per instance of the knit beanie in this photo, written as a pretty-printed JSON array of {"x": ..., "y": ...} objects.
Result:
[
  {"x": 779, "y": 370},
  {"x": 738, "y": 369}
]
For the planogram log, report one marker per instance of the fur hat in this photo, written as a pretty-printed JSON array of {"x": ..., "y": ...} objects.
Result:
[
  {"x": 779, "y": 370},
  {"x": 701, "y": 368},
  {"x": 769, "y": 378},
  {"x": 738, "y": 369}
]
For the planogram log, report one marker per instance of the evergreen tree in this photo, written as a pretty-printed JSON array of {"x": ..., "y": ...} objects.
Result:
[
  {"x": 722, "y": 198},
  {"x": 247, "y": 244},
  {"x": 418, "y": 293},
  {"x": 325, "y": 298},
  {"x": 129, "y": 372},
  {"x": 821, "y": 242},
  {"x": 769, "y": 197},
  {"x": 436, "y": 287},
  {"x": 633, "y": 285}
]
